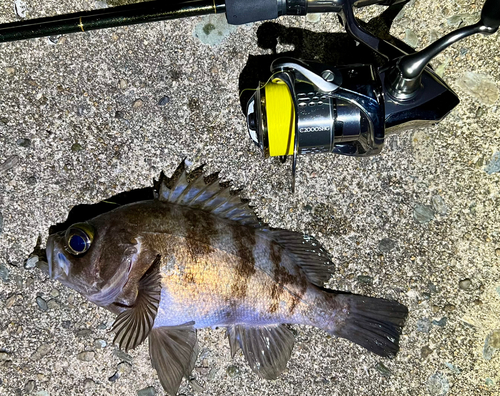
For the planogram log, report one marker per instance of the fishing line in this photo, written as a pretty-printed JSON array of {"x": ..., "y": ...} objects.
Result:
[
  {"x": 259, "y": 87},
  {"x": 280, "y": 115}
]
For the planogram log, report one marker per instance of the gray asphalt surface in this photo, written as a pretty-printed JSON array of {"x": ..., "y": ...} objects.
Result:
[{"x": 80, "y": 121}]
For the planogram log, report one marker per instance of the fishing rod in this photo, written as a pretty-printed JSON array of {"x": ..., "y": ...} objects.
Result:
[
  {"x": 151, "y": 11},
  {"x": 237, "y": 12},
  {"x": 308, "y": 107}
]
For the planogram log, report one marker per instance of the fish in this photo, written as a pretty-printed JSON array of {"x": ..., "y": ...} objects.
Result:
[{"x": 197, "y": 256}]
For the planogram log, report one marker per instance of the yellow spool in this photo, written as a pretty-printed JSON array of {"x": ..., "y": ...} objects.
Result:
[{"x": 280, "y": 114}]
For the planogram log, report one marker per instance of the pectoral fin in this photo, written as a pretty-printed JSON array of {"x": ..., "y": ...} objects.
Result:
[
  {"x": 134, "y": 324},
  {"x": 173, "y": 352},
  {"x": 267, "y": 349}
]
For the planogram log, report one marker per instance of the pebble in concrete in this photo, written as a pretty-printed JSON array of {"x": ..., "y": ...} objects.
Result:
[
  {"x": 213, "y": 29},
  {"x": 30, "y": 386},
  {"x": 480, "y": 86},
  {"x": 439, "y": 205},
  {"x": 386, "y": 245},
  {"x": 494, "y": 165},
  {"x": 423, "y": 214},
  {"x": 438, "y": 384},
  {"x": 9, "y": 163},
  {"x": 86, "y": 356},
  {"x": 42, "y": 304},
  {"x": 491, "y": 344},
  {"x": 42, "y": 350},
  {"x": 4, "y": 273},
  {"x": 465, "y": 284},
  {"x": 149, "y": 391}
]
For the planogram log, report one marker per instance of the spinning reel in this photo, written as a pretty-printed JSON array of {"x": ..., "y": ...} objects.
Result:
[
  {"x": 308, "y": 107},
  {"x": 314, "y": 108}
]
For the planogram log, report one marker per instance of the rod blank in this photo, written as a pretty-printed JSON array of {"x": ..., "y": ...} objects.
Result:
[{"x": 151, "y": 11}]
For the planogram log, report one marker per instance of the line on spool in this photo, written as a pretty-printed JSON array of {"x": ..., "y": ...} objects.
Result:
[{"x": 280, "y": 114}]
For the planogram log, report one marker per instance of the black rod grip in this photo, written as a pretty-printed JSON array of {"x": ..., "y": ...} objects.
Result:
[
  {"x": 239, "y": 12},
  {"x": 490, "y": 15}
]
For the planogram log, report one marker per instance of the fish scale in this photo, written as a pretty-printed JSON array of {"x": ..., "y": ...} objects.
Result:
[
  {"x": 197, "y": 256},
  {"x": 201, "y": 287}
]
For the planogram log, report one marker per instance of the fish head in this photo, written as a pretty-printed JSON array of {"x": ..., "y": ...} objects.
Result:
[{"x": 92, "y": 258}]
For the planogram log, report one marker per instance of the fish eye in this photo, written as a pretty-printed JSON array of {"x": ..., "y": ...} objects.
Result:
[{"x": 79, "y": 237}]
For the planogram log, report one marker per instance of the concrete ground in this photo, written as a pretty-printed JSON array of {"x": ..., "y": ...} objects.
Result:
[{"x": 89, "y": 115}]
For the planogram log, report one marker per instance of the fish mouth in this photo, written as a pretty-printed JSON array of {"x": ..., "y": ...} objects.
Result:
[{"x": 58, "y": 263}]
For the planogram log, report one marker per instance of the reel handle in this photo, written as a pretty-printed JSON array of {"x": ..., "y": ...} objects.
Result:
[{"x": 405, "y": 73}]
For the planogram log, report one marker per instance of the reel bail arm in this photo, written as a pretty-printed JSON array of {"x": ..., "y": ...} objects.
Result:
[
  {"x": 405, "y": 74},
  {"x": 325, "y": 82}
]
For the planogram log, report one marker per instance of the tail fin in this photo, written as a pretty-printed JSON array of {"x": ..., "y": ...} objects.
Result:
[{"x": 373, "y": 323}]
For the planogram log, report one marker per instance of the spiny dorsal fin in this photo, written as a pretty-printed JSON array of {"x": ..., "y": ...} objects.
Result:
[
  {"x": 133, "y": 325},
  {"x": 207, "y": 193}
]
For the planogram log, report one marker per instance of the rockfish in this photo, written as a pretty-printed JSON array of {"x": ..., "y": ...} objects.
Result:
[{"x": 197, "y": 256}]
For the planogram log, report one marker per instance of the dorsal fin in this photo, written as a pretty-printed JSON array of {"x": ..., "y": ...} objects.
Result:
[
  {"x": 308, "y": 253},
  {"x": 207, "y": 193}
]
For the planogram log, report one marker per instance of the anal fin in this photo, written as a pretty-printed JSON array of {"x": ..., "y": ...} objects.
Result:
[
  {"x": 173, "y": 351},
  {"x": 232, "y": 335},
  {"x": 267, "y": 349}
]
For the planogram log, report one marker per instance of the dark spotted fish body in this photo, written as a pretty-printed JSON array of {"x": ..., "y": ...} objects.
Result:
[{"x": 197, "y": 257}]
